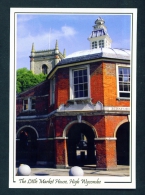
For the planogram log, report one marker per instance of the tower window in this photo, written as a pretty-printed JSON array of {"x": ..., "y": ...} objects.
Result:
[
  {"x": 94, "y": 44},
  {"x": 101, "y": 43},
  {"x": 44, "y": 69}
]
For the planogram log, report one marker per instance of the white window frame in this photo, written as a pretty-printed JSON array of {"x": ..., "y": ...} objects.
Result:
[
  {"x": 117, "y": 80},
  {"x": 101, "y": 42},
  {"x": 94, "y": 45},
  {"x": 52, "y": 90},
  {"x": 71, "y": 70},
  {"x": 29, "y": 103}
]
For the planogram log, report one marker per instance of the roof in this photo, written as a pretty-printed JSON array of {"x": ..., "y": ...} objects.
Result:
[{"x": 123, "y": 54}]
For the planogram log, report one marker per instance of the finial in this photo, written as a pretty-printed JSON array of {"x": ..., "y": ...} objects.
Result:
[
  {"x": 33, "y": 50},
  {"x": 56, "y": 45},
  {"x": 64, "y": 53}
]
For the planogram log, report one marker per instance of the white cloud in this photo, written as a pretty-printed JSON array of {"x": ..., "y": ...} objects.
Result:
[
  {"x": 41, "y": 41},
  {"x": 68, "y": 31}
]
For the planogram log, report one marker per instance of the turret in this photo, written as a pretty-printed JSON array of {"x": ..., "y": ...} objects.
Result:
[
  {"x": 32, "y": 58},
  {"x": 57, "y": 59},
  {"x": 99, "y": 37},
  {"x": 64, "y": 53}
]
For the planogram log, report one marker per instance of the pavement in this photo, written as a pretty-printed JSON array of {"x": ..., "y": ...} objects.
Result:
[{"x": 120, "y": 171}]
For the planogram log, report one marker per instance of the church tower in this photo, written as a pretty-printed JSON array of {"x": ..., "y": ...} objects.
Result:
[
  {"x": 99, "y": 37},
  {"x": 43, "y": 61}
]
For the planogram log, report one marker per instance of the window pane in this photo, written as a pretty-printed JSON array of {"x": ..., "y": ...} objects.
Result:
[
  {"x": 120, "y": 87},
  {"x": 125, "y": 71},
  {"x": 125, "y": 95},
  {"x": 85, "y": 72},
  {"x": 85, "y": 79},
  {"x": 126, "y": 87},
  {"x": 80, "y": 79},
  {"x": 75, "y": 80},
  {"x": 33, "y": 103},
  {"x": 125, "y": 79},
  {"x": 81, "y": 94},
  {"x": 81, "y": 87},
  {"x": 76, "y": 94},
  {"x": 120, "y": 78},
  {"x": 120, "y": 71},
  {"x": 80, "y": 72},
  {"x": 85, "y": 86},
  {"x": 86, "y": 93},
  {"x": 76, "y": 87},
  {"x": 75, "y": 73}
]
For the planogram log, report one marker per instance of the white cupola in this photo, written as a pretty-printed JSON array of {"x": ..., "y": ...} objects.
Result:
[{"x": 99, "y": 37}]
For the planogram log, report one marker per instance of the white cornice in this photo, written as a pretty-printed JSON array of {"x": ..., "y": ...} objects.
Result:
[{"x": 105, "y": 138}]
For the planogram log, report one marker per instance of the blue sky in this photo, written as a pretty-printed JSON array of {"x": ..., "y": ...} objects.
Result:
[{"x": 71, "y": 31}]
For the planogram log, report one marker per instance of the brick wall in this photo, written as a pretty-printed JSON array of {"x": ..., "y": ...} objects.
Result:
[
  {"x": 62, "y": 86},
  {"x": 110, "y": 86},
  {"x": 96, "y": 81}
]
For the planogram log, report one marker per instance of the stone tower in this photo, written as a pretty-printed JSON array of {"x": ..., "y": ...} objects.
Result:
[
  {"x": 43, "y": 61},
  {"x": 99, "y": 37}
]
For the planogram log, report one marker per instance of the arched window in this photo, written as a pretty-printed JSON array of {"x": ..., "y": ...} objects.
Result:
[{"x": 44, "y": 69}]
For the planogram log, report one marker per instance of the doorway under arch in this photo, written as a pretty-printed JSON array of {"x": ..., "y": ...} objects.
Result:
[
  {"x": 122, "y": 144},
  {"x": 27, "y": 147},
  {"x": 80, "y": 145}
]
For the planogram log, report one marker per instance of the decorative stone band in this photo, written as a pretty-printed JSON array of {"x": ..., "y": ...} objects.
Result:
[
  {"x": 83, "y": 107},
  {"x": 105, "y": 138},
  {"x": 87, "y": 105},
  {"x": 61, "y": 138},
  {"x": 43, "y": 139},
  {"x": 40, "y": 139}
]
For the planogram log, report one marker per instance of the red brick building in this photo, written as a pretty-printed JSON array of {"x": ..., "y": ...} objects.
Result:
[{"x": 80, "y": 114}]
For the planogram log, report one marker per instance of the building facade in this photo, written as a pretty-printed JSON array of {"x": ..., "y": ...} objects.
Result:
[{"x": 80, "y": 114}]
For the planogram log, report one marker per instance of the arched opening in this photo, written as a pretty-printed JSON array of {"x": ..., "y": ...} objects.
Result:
[
  {"x": 80, "y": 145},
  {"x": 122, "y": 144},
  {"x": 44, "y": 69},
  {"x": 27, "y": 146}
]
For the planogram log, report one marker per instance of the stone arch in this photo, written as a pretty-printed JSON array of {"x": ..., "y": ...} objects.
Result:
[
  {"x": 122, "y": 134},
  {"x": 123, "y": 121},
  {"x": 80, "y": 143},
  {"x": 26, "y": 126},
  {"x": 68, "y": 126},
  {"x": 27, "y": 145}
]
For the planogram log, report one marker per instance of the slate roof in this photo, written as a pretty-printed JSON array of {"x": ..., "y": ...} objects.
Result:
[{"x": 122, "y": 54}]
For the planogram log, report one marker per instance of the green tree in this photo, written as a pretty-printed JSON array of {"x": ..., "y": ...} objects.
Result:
[{"x": 26, "y": 79}]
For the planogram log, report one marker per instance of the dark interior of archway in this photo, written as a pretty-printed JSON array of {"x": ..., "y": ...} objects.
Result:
[
  {"x": 122, "y": 144},
  {"x": 75, "y": 155},
  {"x": 27, "y": 149}
]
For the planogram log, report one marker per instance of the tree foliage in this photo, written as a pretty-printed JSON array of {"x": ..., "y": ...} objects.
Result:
[{"x": 26, "y": 79}]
